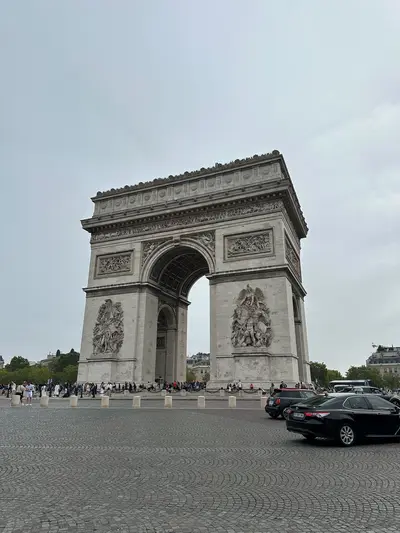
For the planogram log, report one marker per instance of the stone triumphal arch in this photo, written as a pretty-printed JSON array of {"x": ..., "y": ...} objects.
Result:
[{"x": 240, "y": 224}]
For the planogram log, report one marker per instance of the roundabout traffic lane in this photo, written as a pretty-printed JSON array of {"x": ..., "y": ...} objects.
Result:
[{"x": 182, "y": 470}]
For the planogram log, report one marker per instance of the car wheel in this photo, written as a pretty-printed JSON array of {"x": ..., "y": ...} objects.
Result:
[
  {"x": 309, "y": 437},
  {"x": 285, "y": 413},
  {"x": 347, "y": 435},
  {"x": 274, "y": 415}
]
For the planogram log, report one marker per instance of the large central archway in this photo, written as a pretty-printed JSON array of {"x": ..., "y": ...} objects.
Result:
[{"x": 171, "y": 272}]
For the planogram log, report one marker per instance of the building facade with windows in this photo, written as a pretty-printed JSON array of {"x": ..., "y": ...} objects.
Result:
[{"x": 386, "y": 359}]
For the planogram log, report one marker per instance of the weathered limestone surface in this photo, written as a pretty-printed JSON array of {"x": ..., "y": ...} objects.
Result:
[{"x": 239, "y": 224}]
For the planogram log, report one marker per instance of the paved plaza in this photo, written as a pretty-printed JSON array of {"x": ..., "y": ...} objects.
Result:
[{"x": 185, "y": 471}]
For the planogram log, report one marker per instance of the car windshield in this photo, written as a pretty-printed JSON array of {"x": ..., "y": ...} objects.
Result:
[{"x": 316, "y": 401}]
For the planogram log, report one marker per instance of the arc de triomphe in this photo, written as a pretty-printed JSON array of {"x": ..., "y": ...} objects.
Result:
[{"x": 240, "y": 224}]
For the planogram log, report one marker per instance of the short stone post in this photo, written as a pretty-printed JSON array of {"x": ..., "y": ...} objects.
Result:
[
  {"x": 73, "y": 401},
  {"x": 163, "y": 393},
  {"x": 241, "y": 393},
  {"x": 168, "y": 401},
  {"x": 260, "y": 392},
  {"x": 221, "y": 392},
  {"x": 44, "y": 401},
  {"x": 15, "y": 400},
  {"x": 263, "y": 401},
  {"x": 104, "y": 401},
  {"x": 201, "y": 402},
  {"x": 136, "y": 402},
  {"x": 183, "y": 392},
  {"x": 232, "y": 401},
  {"x": 126, "y": 392}
]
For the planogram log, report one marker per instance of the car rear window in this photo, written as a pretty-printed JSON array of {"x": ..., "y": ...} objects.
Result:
[
  {"x": 316, "y": 401},
  {"x": 290, "y": 394}
]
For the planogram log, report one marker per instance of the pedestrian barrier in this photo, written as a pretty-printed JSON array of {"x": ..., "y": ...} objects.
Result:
[
  {"x": 232, "y": 401},
  {"x": 168, "y": 401},
  {"x": 104, "y": 401},
  {"x": 263, "y": 401},
  {"x": 136, "y": 402},
  {"x": 73, "y": 401},
  {"x": 201, "y": 402},
  {"x": 15, "y": 400},
  {"x": 44, "y": 401}
]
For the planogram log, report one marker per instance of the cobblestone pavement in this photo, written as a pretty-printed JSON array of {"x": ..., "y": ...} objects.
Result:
[{"x": 186, "y": 471}]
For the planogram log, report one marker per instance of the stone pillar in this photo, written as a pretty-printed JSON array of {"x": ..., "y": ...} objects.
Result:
[
  {"x": 306, "y": 361},
  {"x": 222, "y": 392},
  {"x": 163, "y": 393},
  {"x": 15, "y": 400},
  {"x": 146, "y": 342},
  {"x": 263, "y": 401},
  {"x": 201, "y": 402},
  {"x": 104, "y": 401},
  {"x": 44, "y": 401},
  {"x": 171, "y": 356},
  {"x": 73, "y": 401},
  {"x": 183, "y": 392},
  {"x": 181, "y": 342},
  {"x": 232, "y": 401},
  {"x": 136, "y": 402},
  {"x": 168, "y": 401}
]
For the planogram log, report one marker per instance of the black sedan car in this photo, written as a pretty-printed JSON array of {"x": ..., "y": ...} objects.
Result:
[{"x": 346, "y": 419}]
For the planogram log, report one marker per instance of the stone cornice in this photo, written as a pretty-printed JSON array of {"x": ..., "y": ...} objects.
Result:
[
  {"x": 117, "y": 227},
  {"x": 129, "y": 288},
  {"x": 203, "y": 172},
  {"x": 257, "y": 273}
]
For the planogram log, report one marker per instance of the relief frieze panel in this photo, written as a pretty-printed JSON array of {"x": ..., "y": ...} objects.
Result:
[
  {"x": 292, "y": 257},
  {"x": 108, "y": 332},
  {"x": 249, "y": 244},
  {"x": 256, "y": 208},
  {"x": 114, "y": 264}
]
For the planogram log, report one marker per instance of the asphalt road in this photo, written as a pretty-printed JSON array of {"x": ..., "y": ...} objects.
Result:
[{"x": 185, "y": 470}]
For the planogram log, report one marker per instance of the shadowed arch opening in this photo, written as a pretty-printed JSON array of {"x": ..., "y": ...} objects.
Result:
[{"x": 178, "y": 269}]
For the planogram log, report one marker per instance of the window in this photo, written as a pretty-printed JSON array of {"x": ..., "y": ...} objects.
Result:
[
  {"x": 356, "y": 402},
  {"x": 307, "y": 394},
  {"x": 379, "y": 403}
]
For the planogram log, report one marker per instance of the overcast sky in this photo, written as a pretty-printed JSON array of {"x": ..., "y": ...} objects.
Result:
[{"x": 99, "y": 94}]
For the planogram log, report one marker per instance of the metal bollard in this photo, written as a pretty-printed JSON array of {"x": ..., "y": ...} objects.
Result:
[
  {"x": 201, "y": 402},
  {"x": 168, "y": 401},
  {"x": 136, "y": 402},
  {"x": 232, "y": 401}
]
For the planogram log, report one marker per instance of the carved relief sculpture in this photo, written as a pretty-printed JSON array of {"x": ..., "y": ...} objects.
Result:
[
  {"x": 114, "y": 264},
  {"x": 251, "y": 323},
  {"x": 108, "y": 333},
  {"x": 292, "y": 257},
  {"x": 206, "y": 239},
  {"x": 149, "y": 247},
  {"x": 249, "y": 244}
]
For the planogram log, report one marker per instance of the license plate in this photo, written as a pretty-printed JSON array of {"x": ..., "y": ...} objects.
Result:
[
  {"x": 271, "y": 402},
  {"x": 299, "y": 416}
]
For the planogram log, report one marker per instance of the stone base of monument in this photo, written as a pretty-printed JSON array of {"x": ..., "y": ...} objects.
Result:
[
  {"x": 73, "y": 401},
  {"x": 15, "y": 400},
  {"x": 44, "y": 401},
  {"x": 168, "y": 401},
  {"x": 104, "y": 401},
  {"x": 232, "y": 401},
  {"x": 201, "y": 402},
  {"x": 136, "y": 402}
]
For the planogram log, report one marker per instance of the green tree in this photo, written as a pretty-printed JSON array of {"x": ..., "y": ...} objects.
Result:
[
  {"x": 70, "y": 373},
  {"x": 332, "y": 375},
  {"x": 16, "y": 363},
  {"x": 190, "y": 375},
  {"x": 319, "y": 373},
  {"x": 365, "y": 372},
  {"x": 57, "y": 364}
]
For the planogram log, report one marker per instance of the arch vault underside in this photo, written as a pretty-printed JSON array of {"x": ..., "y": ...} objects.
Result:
[{"x": 238, "y": 224}]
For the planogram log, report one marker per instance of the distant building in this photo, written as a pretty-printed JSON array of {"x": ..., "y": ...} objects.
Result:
[
  {"x": 199, "y": 364},
  {"x": 1, "y": 362},
  {"x": 386, "y": 359}
]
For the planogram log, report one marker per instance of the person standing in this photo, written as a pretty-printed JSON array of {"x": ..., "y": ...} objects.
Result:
[{"x": 29, "y": 393}]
